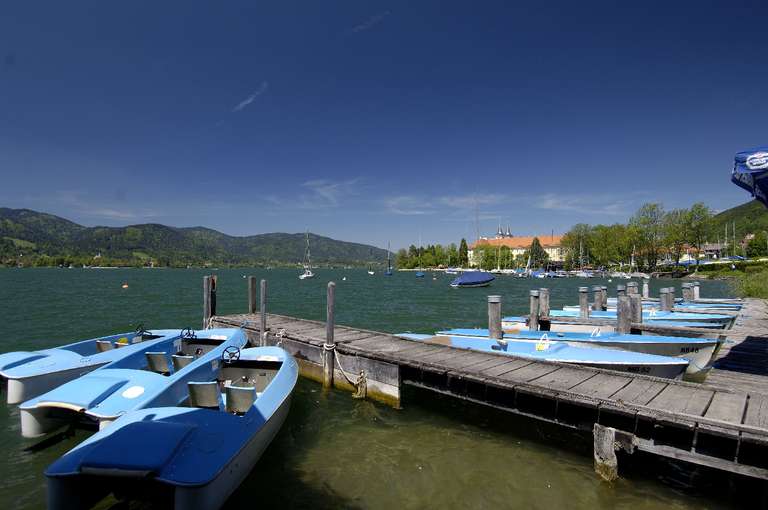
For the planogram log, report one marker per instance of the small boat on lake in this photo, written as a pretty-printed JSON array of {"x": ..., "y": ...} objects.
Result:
[
  {"x": 700, "y": 352},
  {"x": 473, "y": 279},
  {"x": 191, "y": 457},
  {"x": 652, "y": 316},
  {"x": 154, "y": 377},
  {"x": 29, "y": 374},
  {"x": 307, "y": 264},
  {"x": 517, "y": 323},
  {"x": 552, "y": 350},
  {"x": 388, "y": 272}
]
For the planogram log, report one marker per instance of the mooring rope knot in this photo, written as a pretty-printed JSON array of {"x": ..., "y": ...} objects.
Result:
[{"x": 361, "y": 385}]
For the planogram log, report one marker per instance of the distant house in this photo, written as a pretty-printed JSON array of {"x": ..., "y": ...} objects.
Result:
[{"x": 552, "y": 244}]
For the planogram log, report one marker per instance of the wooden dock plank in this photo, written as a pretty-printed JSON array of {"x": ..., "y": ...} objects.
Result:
[
  {"x": 727, "y": 407},
  {"x": 682, "y": 399},
  {"x": 639, "y": 391},
  {"x": 757, "y": 411},
  {"x": 564, "y": 379},
  {"x": 602, "y": 385},
  {"x": 512, "y": 364},
  {"x": 529, "y": 372}
]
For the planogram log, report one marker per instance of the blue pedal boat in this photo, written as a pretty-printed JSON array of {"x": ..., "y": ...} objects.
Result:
[
  {"x": 29, "y": 374},
  {"x": 700, "y": 352},
  {"x": 189, "y": 457},
  {"x": 552, "y": 350},
  {"x": 652, "y": 316},
  {"x": 156, "y": 376},
  {"x": 518, "y": 323}
]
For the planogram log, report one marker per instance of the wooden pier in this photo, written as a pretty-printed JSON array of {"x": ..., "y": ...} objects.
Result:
[{"x": 722, "y": 424}]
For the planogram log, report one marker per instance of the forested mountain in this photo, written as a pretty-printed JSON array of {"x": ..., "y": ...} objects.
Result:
[
  {"x": 35, "y": 238},
  {"x": 750, "y": 218}
]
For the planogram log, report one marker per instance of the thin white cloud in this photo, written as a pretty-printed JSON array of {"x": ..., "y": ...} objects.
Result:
[
  {"x": 371, "y": 22},
  {"x": 586, "y": 204},
  {"x": 473, "y": 200},
  {"x": 325, "y": 193},
  {"x": 76, "y": 201},
  {"x": 250, "y": 99},
  {"x": 408, "y": 205}
]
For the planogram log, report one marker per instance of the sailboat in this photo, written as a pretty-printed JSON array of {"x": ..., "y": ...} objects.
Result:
[
  {"x": 307, "y": 264},
  {"x": 419, "y": 272},
  {"x": 388, "y": 272}
]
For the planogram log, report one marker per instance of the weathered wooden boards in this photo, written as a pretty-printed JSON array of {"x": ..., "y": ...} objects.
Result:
[{"x": 722, "y": 425}]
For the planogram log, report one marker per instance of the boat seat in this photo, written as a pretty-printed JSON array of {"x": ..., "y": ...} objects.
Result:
[
  {"x": 181, "y": 361},
  {"x": 239, "y": 399},
  {"x": 204, "y": 394},
  {"x": 104, "y": 345},
  {"x": 158, "y": 362}
]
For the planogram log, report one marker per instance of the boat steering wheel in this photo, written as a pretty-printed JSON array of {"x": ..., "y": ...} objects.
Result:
[{"x": 230, "y": 354}]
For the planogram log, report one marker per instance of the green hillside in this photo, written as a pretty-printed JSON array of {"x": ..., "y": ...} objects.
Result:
[
  {"x": 750, "y": 218},
  {"x": 35, "y": 238}
]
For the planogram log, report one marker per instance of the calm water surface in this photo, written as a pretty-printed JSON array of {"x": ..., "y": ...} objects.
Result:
[{"x": 334, "y": 452}]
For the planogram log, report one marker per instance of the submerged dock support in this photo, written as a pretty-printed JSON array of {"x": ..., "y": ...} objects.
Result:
[
  {"x": 533, "y": 316},
  {"x": 494, "y": 317},
  {"x": 606, "y": 464},
  {"x": 584, "y": 302},
  {"x": 330, "y": 344}
]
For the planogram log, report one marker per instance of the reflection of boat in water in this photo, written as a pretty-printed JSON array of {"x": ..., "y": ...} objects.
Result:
[
  {"x": 307, "y": 264},
  {"x": 196, "y": 455}
]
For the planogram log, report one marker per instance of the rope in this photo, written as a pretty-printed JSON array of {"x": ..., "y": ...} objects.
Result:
[
  {"x": 279, "y": 335},
  {"x": 361, "y": 385}
]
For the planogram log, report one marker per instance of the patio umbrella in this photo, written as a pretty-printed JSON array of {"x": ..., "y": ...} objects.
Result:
[{"x": 750, "y": 171}]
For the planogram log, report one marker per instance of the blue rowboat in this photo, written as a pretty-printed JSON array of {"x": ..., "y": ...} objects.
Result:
[
  {"x": 156, "y": 376},
  {"x": 652, "y": 315},
  {"x": 473, "y": 279},
  {"x": 693, "y": 306},
  {"x": 517, "y": 323},
  {"x": 29, "y": 374},
  {"x": 193, "y": 456},
  {"x": 700, "y": 352},
  {"x": 552, "y": 350}
]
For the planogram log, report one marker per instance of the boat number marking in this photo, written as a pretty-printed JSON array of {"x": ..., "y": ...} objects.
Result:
[
  {"x": 133, "y": 392},
  {"x": 639, "y": 370},
  {"x": 686, "y": 350}
]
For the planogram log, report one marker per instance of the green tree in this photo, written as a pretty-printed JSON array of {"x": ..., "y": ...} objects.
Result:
[
  {"x": 758, "y": 245},
  {"x": 463, "y": 253},
  {"x": 577, "y": 243},
  {"x": 699, "y": 221},
  {"x": 676, "y": 234},
  {"x": 649, "y": 222},
  {"x": 539, "y": 256}
]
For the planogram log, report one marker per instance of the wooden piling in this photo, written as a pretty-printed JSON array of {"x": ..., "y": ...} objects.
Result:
[
  {"x": 687, "y": 289},
  {"x": 263, "y": 311},
  {"x": 584, "y": 302},
  {"x": 621, "y": 290},
  {"x": 606, "y": 463},
  {"x": 533, "y": 318},
  {"x": 544, "y": 325},
  {"x": 646, "y": 290},
  {"x": 623, "y": 315},
  {"x": 663, "y": 301},
  {"x": 494, "y": 317},
  {"x": 597, "y": 298},
  {"x": 636, "y": 309},
  {"x": 209, "y": 299},
  {"x": 670, "y": 298},
  {"x": 631, "y": 288},
  {"x": 604, "y": 298},
  {"x": 330, "y": 344},
  {"x": 251, "y": 294},
  {"x": 696, "y": 288}
]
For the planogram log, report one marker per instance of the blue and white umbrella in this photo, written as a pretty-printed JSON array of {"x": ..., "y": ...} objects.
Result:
[{"x": 750, "y": 171}]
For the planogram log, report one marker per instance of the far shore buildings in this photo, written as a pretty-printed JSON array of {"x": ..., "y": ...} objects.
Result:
[{"x": 551, "y": 243}]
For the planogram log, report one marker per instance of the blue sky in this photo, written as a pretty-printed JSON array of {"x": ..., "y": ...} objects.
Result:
[{"x": 376, "y": 121}]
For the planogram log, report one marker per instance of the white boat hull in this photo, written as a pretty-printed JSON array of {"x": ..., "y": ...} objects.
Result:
[
  {"x": 512, "y": 327},
  {"x": 23, "y": 389}
]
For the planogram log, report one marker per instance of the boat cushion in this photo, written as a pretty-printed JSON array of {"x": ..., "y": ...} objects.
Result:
[{"x": 144, "y": 446}]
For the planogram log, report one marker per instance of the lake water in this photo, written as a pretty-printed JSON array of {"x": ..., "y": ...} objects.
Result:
[{"x": 336, "y": 452}]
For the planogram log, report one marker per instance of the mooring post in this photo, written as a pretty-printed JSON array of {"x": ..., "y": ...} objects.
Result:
[
  {"x": 263, "y": 311},
  {"x": 663, "y": 301},
  {"x": 251, "y": 294},
  {"x": 606, "y": 464},
  {"x": 636, "y": 308},
  {"x": 544, "y": 325},
  {"x": 621, "y": 290},
  {"x": 687, "y": 289},
  {"x": 494, "y": 317},
  {"x": 597, "y": 298},
  {"x": 670, "y": 298},
  {"x": 604, "y": 297},
  {"x": 646, "y": 290},
  {"x": 623, "y": 315},
  {"x": 631, "y": 288},
  {"x": 584, "y": 302},
  {"x": 330, "y": 344},
  {"x": 533, "y": 317},
  {"x": 206, "y": 301},
  {"x": 696, "y": 287}
]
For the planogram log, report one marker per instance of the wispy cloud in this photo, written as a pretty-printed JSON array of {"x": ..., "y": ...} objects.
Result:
[
  {"x": 78, "y": 202},
  {"x": 325, "y": 193},
  {"x": 473, "y": 200},
  {"x": 408, "y": 205},
  {"x": 586, "y": 204},
  {"x": 250, "y": 99},
  {"x": 370, "y": 22}
]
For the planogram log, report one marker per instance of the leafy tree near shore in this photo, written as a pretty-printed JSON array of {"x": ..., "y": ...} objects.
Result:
[
  {"x": 463, "y": 253},
  {"x": 537, "y": 254}
]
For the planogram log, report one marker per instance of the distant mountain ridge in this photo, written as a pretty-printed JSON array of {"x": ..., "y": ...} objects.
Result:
[
  {"x": 750, "y": 217},
  {"x": 48, "y": 239}
]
